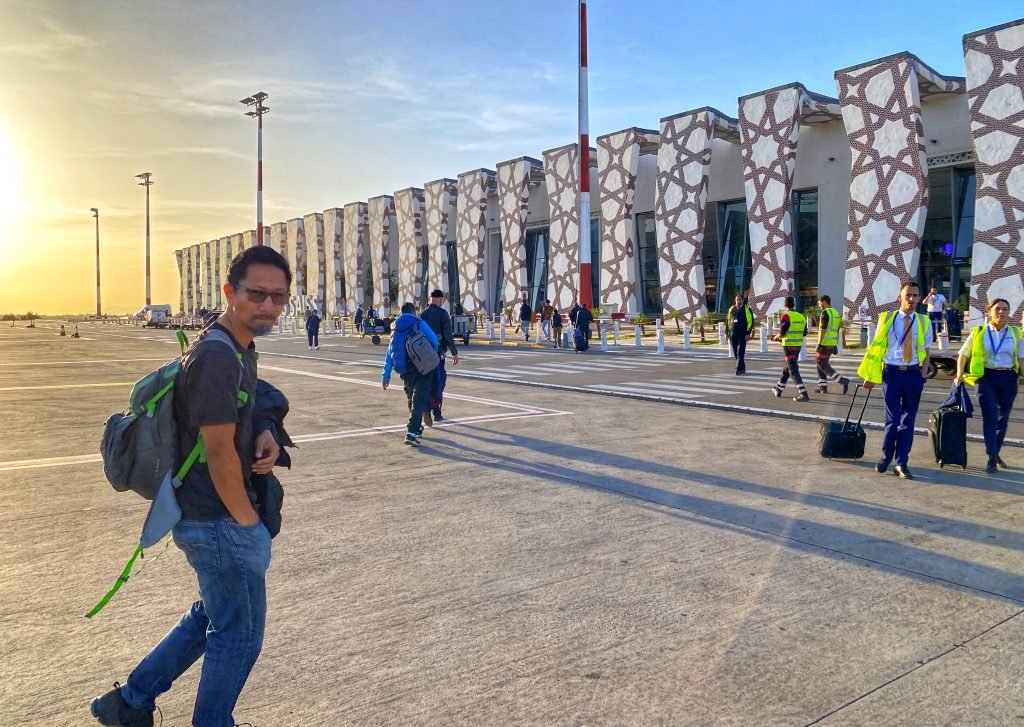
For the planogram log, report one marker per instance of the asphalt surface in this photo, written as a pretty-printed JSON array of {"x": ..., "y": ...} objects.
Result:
[{"x": 552, "y": 554}]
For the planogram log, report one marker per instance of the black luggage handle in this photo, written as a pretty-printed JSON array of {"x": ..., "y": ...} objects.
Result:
[{"x": 862, "y": 409}]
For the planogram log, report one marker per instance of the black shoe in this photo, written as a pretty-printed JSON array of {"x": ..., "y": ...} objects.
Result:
[
  {"x": 740, "y": 373},
  {"x": 437, "y": 415},
  {"x": 903, "y": 472},
  {"x": 845, "y": 383},
  {"x": 1000, "y": 462},
  {"x": 820, "y": 390},
  {"x": 112, "y": 710},
  {"x": 991, "y": 466},
  {"x": 882, "y": 466},
  {"x": 802, "y": 396},
  {"x": 428, "y": 420},
  {"x": 776, "y": 393}
]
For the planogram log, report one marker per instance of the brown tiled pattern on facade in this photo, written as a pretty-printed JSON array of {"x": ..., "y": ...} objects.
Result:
[
  {"x": 471, "y": 234},
  {"x": 411, "y": 250},
  {"x": 513, "y": 207},
  {"x": 561, "y": 173},
  {"x": 439, "y": 199},
  {"x": 355, "y": 254}
]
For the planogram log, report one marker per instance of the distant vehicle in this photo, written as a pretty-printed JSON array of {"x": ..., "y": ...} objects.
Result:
[{"x": 155, "y": 316}]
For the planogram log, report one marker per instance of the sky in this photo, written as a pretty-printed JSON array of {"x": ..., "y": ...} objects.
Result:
[{"x": 366, "y": 98}]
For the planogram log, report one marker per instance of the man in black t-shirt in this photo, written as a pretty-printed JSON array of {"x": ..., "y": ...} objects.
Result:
[
  {"x": 525, "y": 317},
  {"x": 441, "y": 324},
  {"x": 220, "y": 532}
]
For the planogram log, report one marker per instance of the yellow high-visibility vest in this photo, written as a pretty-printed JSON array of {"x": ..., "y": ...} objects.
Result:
[
  {"x": 831, "y": 337},
  {"x": 870, "y": 368},
  {"x": 978, "y": 354},
  {"x": 750, "y": 317},
  {"x": 795, "y": 332}
]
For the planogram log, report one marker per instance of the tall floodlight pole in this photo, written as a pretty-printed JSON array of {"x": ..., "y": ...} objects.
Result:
[
  {"x": 96, "y": 214},
  {"x": 586, "y": 295},
  {"x": 256, "y": 101},
  {"x": 147, "y": 183}
]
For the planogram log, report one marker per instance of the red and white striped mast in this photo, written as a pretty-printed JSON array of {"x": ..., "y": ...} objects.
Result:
[
  {"x": 257, "y": 100},
  {"x": 585, "y": 292}
]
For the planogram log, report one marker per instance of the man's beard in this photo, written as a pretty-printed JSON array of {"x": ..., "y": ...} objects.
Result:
[{"x": 261, "y": 328}]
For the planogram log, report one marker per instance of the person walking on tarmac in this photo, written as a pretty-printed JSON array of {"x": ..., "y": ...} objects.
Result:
[
  {"x": 441, "y": 324},
  {"x": 828, "y": 345},
  {"x": 556, "y": 324},
  {"x": 898, "y": 360},
  {"x": 740, "y": 323},
  {"x": 416, "y": 385},
  {"x": 313, "y": 330},
  {"x": 995, "y": 368},
  {"x": 793, "y": 327}
]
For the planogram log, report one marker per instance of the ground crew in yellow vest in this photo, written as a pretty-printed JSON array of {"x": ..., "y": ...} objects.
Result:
[
  {"x": 829, "y": 327},
  {"x": 898, "y": 360},
  {"x": 792, "y": 329},
  {"x": 994, "y": 354},
  {"x": 740, "y": 322}
]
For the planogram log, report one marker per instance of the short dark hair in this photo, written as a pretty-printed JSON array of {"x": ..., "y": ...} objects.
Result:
[
  {"x": 826, "y": 299},
  {"x": 437, "y": 293},
  {"x": 790, "y": 301},
  {"x": 408, "y": 307},
  {"x": 996, "y": 301},
  {"x": 258, "y": 255},
  {"x": 910, "y": 284}
]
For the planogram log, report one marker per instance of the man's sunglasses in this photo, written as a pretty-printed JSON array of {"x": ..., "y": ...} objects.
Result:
[{"x": 258, "y": 296}]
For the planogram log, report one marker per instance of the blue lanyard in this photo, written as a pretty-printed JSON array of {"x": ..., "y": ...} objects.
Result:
[{"x": 992, "y": 340}]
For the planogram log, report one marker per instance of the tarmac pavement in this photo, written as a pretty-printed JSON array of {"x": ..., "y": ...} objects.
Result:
[{"x": 549, "y": 556}]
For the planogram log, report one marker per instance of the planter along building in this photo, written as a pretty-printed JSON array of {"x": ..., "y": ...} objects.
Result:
[{"x": 904, "y": 174}]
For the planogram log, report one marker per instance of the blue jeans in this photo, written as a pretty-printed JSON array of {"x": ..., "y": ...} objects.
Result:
[
  {"x": 902, "y": 393},
  {"x": 226, "y": 623},
  {"x": 545, "y": 328}
]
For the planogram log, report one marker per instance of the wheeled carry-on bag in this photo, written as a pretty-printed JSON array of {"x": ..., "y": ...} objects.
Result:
[
  {"x": 843, "y": 440},
  {"x": 580, "y": 341},
  {"x": 947, "y": 428}
]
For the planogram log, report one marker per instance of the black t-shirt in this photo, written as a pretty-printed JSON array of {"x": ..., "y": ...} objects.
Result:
[
  {"x": 206, "y": 394},
  {"x": 738, "y": 324},
  {"x": 525, "y": 313}
]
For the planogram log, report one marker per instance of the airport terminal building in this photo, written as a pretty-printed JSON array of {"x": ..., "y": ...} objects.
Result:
[{"x": 900, "y": 172}]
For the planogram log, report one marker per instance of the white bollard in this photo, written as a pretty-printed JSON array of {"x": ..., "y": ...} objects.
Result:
[
  {"x": 566, "y": 338},
  {"x": 636, "y": 335},
  {"x": 721, "y": 334},
  {"x": 615, "y": 325},
  {"x": 686, "y": 337},
  {"x": 839, "y": 342},
  {"x": 294, "y": 324},
  {"x": 661, "y": 336},
  {"x": 330, "y": 326},
  {"x": 604, "y": 339},
  {"x": 803, "y": 350},
  {"x": 771, "y": 327},
  {"x": 871, "y": 332},
  {"x": 764, "y": 340},
  {"x": 501, "y": 332},
  {"x": 944, "y": 340},
  {"x": 280, "y": 326}
]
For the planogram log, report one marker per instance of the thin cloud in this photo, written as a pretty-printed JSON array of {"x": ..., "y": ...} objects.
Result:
[{"x": 52, "y": 45}]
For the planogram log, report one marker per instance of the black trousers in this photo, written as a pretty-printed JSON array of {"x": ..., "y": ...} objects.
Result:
[
  {"x": 417, "y": 389},
  {"x": 739, "y": 347}
]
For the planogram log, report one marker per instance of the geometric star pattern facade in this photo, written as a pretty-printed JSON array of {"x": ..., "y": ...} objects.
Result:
[
  {"x": 618, "y": 158},
  {"x": 355, "y": 250},
  {"x": 316, "y": 261},
  {"x": 561, "y": 173},
  {"x": 411, "y": 250},
  {"x": 381, "y": 212},
  {"x": 995, "y": 95},
  {"x": 684, "y": 157},
  {"x": 334, "y": 273},
  {"x": 471, "y": 235},
  {"x": 295, "y": 232},
  {"x": 439, "y": 198},
  {"x": 881, "y": 104},
  {"x": 513, "y": 207}
]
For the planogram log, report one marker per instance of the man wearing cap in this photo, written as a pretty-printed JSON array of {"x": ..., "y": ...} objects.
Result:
[{"x": 441, "y": 324}]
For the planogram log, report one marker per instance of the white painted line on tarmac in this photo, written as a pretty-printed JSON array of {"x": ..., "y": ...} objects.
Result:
[
  {"x": 643, "y": 390},
  {"x": 25, "y": 464},
  {"x": 66, "y": 386},
  {"x": 88, "y": 361}
]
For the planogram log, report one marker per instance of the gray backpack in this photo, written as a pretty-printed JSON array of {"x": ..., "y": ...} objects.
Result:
[
  {"x": 421, "y": 352},
  {"x": 140, "y": 444}
]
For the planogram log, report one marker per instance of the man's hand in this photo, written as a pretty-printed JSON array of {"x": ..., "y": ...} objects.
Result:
[
  {"x": 869, "y": 385},
  {"x": 384, "y": 385},
  {"x": 267, "y": 452},
  {"x": 455, "y": 359}
]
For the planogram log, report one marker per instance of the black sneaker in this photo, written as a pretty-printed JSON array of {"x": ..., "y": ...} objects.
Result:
[
  {"x": 437, "y": 416},
  {"x": 776, "y": 393},
  {"x": 820, "y": 390},
  {"x": 802, "y": 396},
  {"x": 112, "y": 710},
  {"x": 845, "y": 383},
  {"x": 1000, "y": 462}
]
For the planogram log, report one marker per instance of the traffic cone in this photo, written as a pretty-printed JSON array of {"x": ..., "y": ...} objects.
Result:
[
  {"x": 62, "y": 330},
  {"x": 75, "y": 334}
]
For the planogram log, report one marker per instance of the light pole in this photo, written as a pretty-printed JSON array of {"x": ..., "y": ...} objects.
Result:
[
  {"x": 585, "y": 293},
  {"x": 96, "y": 214},
  {"x": 256, "y": 101},
  {"x": 147, "y": 183}
]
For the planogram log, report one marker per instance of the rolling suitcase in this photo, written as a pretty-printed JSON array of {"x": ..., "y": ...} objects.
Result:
[
  {"x": 580, "y": 341},
  {"x": 843, "y": 440},
  {"x": 947, "y": 428}
]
